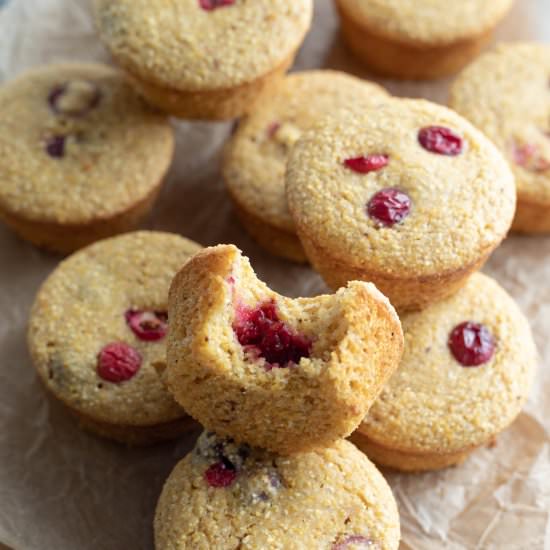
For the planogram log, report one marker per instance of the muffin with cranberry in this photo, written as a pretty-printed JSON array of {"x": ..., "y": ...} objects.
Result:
[
  {"x": 414, "y": 207},
  {"x": 466, "y": 372},
  {"x": 281, "y": 374},
  {"x": 206, "y": 59},
  {"x": 82, "y": 157},
  {"x": 505, "y": 93},
  {"x": 97, "y": 335},
  {"x": 255, "y": 156},
  {"x": 241, "y": 496},
  {"x": 419, "y": 38}
]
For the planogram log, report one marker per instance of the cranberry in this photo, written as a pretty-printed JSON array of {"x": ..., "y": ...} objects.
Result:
[
  {"x": 55, "y": 146},
  {"x": 523, "y": 153},
  {"x": 118, "y": 362},
  {"x": 370, "y": 163},
  {"x": 358, "y": 541},
  {"x": 147, "y": 325},
  {"x": 210, "y": 5},
  {"x": 221, "y": 474},
  {"x": 74, "y": 98},
  {"x": 542, "y": 165},
  {"x": 440, "y": 140},
  {"x": 528, "y": 156},
  {"x": 277, "y": 343},
  {"x": 471, "y": 344},
  {"x": 389, "y": 206}
]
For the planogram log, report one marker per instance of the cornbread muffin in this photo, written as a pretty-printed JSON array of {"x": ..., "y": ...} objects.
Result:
[
  {"x": 97, "y": 335},
  {"x": 225, "y": 496},
  {"x": 419, "y": 38},
  {"x": 205, "y": 59},
  {"x": 466, "y": 372},
  {"x": 81, "y": 155},
  {"x": 414, "y": 207},
  {"x": 505, "y": 93},
  {"x": 285, "y": 375},
  {"x": 255, "y": 156}
]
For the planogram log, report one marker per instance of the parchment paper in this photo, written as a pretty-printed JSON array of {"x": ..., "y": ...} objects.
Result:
[{"x": 65, "y": 490}]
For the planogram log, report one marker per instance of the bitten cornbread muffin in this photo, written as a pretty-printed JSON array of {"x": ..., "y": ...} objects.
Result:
[
  {"x": 282, "y": 374},
  {"x": 255, "y": 156},
  {"x": 419, "y": 38},
  {"x": 414, "y": 207},
  {"x": 506, "y": 94},
  {"x": 466, "y": 372},
  {"x": 225, "y": 496},
  {"x": 97, "y": 335},
  {"x": 205, "y": 59},
  {"x": 82, "y": 157}
]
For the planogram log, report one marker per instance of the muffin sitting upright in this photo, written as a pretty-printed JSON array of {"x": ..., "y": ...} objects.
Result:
[
  {"x": 206, "y": 59},
  {"x": 227, "y": 496},
  {"x": 255, "y": 156},
  {"x": 282, "y": 374},
  {"x": 419, "y": 38},
  {"x": 505, "y": 93},
  {"x": 97, "y": 335},
  {"x": 414, "y": 206},
  {"x": 82, "y": 157},
  {"x": 466, "y": 372}
]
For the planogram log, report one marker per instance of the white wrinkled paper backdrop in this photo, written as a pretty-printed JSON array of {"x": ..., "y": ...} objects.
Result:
[{"x": 62, "y": 489}]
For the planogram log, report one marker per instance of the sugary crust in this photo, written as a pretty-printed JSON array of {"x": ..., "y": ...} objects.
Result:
[
  {"x": 121, "y": 150},
  {"x": 432, "y": 404},
  {"x": 221, "y": 104},
  {"x": 184, "y": 47},
  {"x": 426, "y": 23},
  {"x": 357, "y": 341},
  {"x": 276, "y": 241},
  {"x": 137, "y": 436},
  {"x": 462, "y": 206},
  {"x": 390, "y": 57},
  {"x": 505, "y": 94},
  {"x": 255, "y": 156},
  {"x": 407, "y": 462},
  {"x": 322, "y": 496},
  {"x": 80, "y": 308},
  {"x": 67, "y": 238}
]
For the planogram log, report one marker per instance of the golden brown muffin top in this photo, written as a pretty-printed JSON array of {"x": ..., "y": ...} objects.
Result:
[
  {"x": 255, "y": 157},
  {"x": 196, "y": 45},
  {"x": 77, "y": 145},
  {"x": 86, "y": 304},
  {"x": 433, "y": 402},
  {"x": 223, "y": 495},
  {"x": 506, "y": 94},
  {"x": 451, "y": 194},
  {"x": 427, "y": 22}
]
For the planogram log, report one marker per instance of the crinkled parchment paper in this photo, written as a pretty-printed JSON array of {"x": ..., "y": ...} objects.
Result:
[{"x": 62, "y": 489}]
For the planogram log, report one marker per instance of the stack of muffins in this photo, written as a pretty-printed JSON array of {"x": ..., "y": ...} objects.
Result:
[
  {"x": 417, "y": 208},
  {"x": 390, "y": 200},
  {"x": 281, "y": 382}
]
